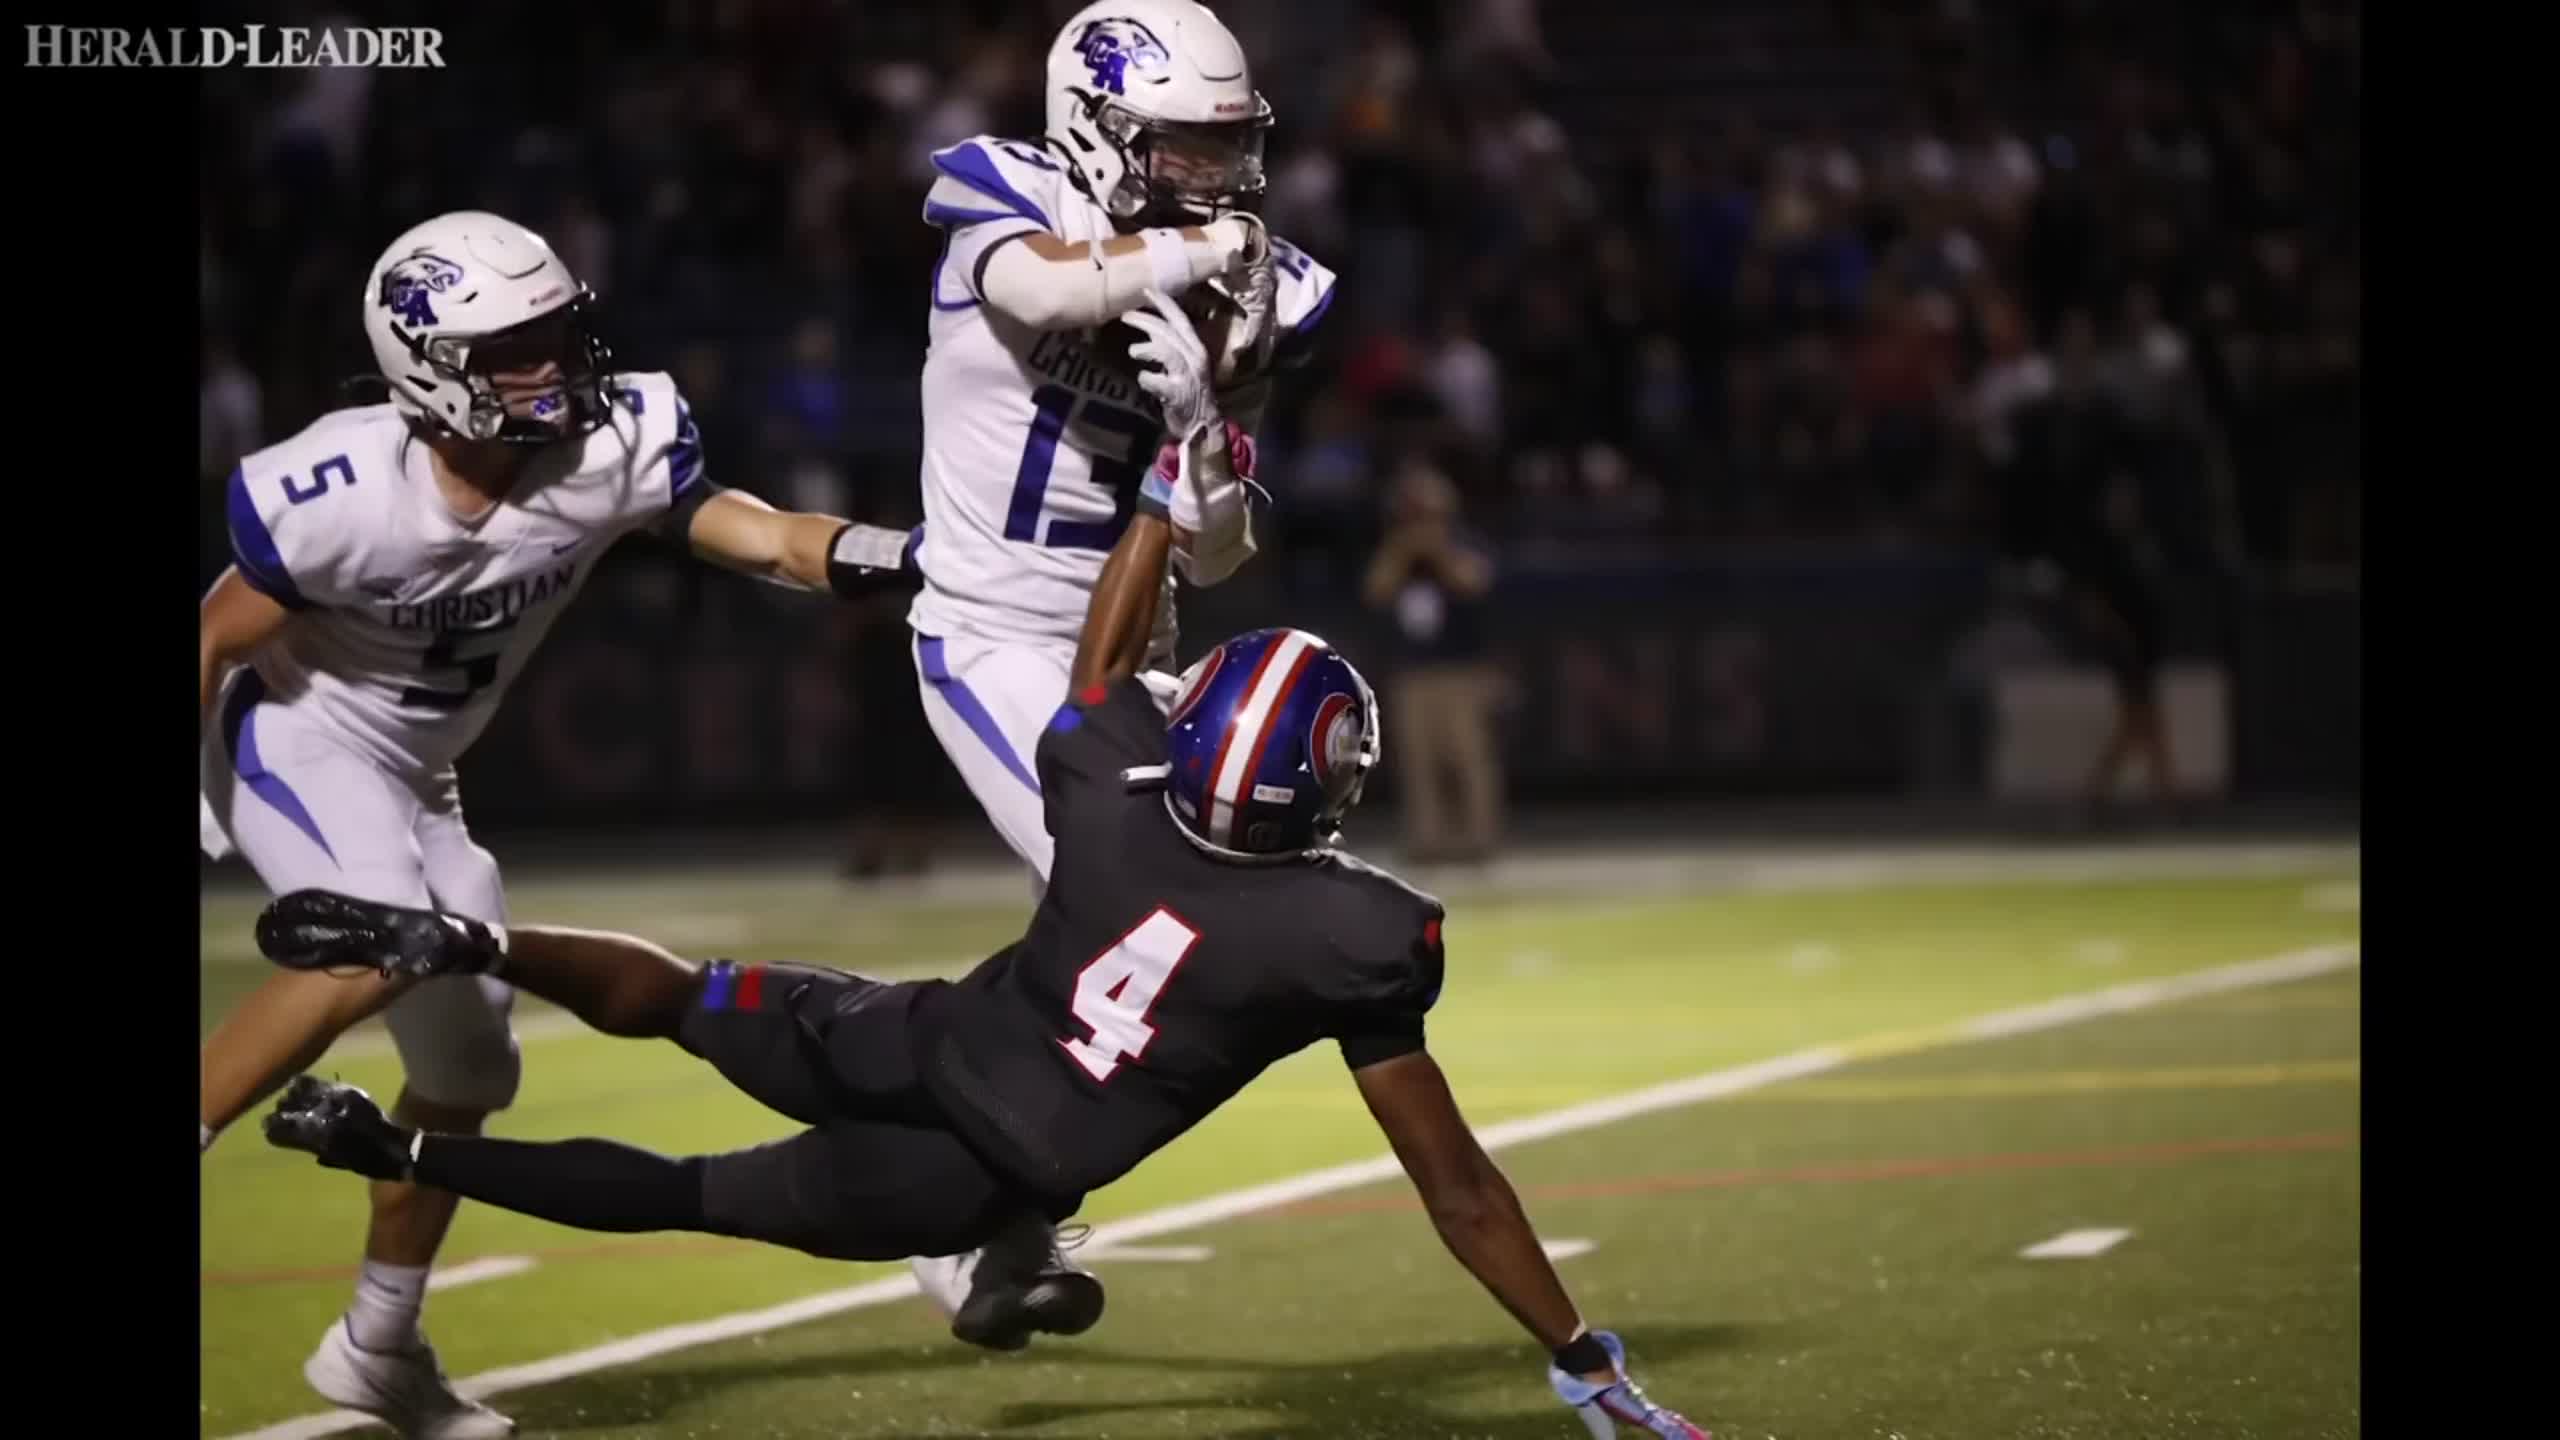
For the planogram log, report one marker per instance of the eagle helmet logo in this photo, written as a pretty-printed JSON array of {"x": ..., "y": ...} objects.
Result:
[{"x": 409, "y": 286}]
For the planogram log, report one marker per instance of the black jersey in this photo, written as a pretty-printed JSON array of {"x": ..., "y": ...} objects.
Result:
[{"x": 1156, "y": 980}]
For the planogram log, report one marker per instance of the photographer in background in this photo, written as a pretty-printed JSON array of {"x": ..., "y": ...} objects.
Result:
[{"x": 1431, "y": 578}]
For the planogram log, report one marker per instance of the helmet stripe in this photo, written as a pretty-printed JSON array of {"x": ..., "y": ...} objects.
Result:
[
  {"x": 1240, "y": 750},
  {"x": 1226, "y": 741},
  {"x": 1272, "y": 720}
]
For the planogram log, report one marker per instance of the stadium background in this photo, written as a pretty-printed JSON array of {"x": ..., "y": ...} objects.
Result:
[{"x": 1805, "y": 366}]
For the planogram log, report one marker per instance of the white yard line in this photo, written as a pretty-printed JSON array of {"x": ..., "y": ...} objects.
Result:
[
  {"x": 2099, "y": 950},
  {"x": 1167, "y": 1254},
  {"x": 2075, "y": 1245},
  {"x": 472, "y": 1272},
  {"x": 1252, "y": 1199}
]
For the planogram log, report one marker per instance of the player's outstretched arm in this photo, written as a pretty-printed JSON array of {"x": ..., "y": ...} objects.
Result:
[
  {"x": 234, "y": 620},
  {"x": 1121, "y": 616},
  {"x": 739, "y": 532},
  {"x": 1199, "y": 479},
  {"x": 1469, "y": 1200},
  {"x": 1480, "y": 1219},
  {"x": 1047, "y": 283}
]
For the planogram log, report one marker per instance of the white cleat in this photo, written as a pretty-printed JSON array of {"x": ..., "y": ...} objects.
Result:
[
  {"x": 945, "y": 1279},
  {"x": 404, "y": 1389}
]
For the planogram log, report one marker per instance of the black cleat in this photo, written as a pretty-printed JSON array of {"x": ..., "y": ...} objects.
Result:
[
  {"x": 324, "y": 930},
  {"x": 342, "y": 1126},
  {"x": 1024, "y": 1286}
]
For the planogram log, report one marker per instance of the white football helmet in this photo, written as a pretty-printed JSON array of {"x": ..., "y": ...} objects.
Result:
[
  {"x": 1152, "y": 103},
  {"x": 474, "y": 282}
]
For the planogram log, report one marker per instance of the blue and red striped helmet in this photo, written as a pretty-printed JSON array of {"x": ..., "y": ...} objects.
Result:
[{"x": 1268, "y": 743}]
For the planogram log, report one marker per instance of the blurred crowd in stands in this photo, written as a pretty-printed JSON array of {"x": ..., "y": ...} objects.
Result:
[{"x": 2064, "y": 278}]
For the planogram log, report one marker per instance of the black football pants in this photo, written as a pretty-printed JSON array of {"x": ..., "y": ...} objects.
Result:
[{"x": 876, "y": 1176}]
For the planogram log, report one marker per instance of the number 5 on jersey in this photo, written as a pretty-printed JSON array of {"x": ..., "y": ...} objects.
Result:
[
  {"x": 479, "y": 668},
  {"x": 1117, "y": 988}
]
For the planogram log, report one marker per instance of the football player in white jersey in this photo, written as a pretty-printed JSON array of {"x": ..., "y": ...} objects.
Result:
[
  {"x": 395, "y": 565},
  {"x": 1036, "y": 432}
]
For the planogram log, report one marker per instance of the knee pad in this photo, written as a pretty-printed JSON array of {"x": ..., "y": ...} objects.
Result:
[{"x": 456, "y": 1044}]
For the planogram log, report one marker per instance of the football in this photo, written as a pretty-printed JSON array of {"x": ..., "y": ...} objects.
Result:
[{"x": 1211, "y": 314}]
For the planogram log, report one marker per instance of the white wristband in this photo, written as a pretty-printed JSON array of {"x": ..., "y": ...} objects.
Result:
[
  {"x": 1169, "y": 255},
  {"x": 870, "y": 547}
]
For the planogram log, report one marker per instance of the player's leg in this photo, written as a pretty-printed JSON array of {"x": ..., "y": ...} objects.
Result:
[
  {"x": 987, "y": 704},
  {"x": 759, "y": 1025},
  {"x": 301, "y": 811},
  {"x": 850, "y": 1189},
  {"x": 617, "y": 984},
  {"x": 460, "y": 1064},
  {"x": 810, "y": 1043},
  {"x": 277, "y": 1031},
  {"x": 880, "y": 1189},
  {"x": 845, "y": 1190},
  {"x": 822, "y": 1046}
]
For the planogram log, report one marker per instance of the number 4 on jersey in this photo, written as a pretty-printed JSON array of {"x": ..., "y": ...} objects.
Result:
[{"x": 1117, "y": 988}]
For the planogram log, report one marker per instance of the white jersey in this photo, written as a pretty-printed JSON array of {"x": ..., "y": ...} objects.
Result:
[
  {"x": 408, "y": 624},
  {"x": 1034, "y": 449}
]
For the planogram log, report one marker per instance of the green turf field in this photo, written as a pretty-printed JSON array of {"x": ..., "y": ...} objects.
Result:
[{"x": 1830, "y": 1256}]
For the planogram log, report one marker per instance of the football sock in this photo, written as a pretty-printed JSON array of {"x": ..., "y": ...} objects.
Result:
[
  {"x": 1582, "y": 1355},
  {"x": 590, "y": 1184},
  {"x": 385, "y": 1315}
]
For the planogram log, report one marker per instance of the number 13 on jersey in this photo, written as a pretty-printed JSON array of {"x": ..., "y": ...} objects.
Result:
[
  {"x": 1055, "y": 406},
  {"x": 1117, "y": 988}
]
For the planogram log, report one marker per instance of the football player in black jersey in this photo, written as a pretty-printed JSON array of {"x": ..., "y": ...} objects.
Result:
[{"x": 1198, "y": 925}]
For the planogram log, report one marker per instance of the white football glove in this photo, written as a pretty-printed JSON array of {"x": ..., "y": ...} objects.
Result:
[
  {"x": 1255, "y": 292},
  {"x": 1243, "y": 236},
  {"x": 1203, "y": 487},
  {"x": 1174, "y": 365},
  {"x": 1201, "y": 479},
  {"x": 1621, "y": 1408}
]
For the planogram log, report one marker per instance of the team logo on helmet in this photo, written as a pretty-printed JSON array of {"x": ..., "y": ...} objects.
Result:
[
  {"x": 1195, "y": 687},
  {"x": 1333, "y": 740},
  {"x": 1110, "y": 47},
  {"x": 408, "y": 285}
]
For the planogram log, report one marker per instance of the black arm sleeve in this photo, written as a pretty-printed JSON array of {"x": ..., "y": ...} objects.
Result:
[
  {"x": 674, "y": 526},
  {"x": 1096, "y": 735}
]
